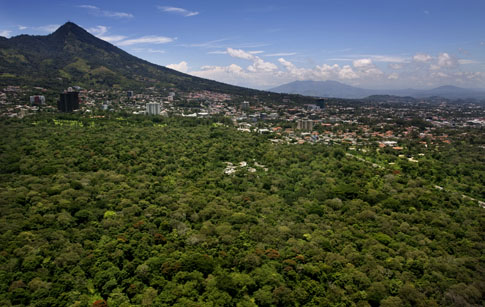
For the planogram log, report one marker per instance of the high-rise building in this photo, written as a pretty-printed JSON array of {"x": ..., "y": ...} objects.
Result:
[
  {"x": 320, "y": 102},
  {"x": 245, "y": 105},
  {"x": 68, "y": 102},
  {"x": 153, "y": 108},
  {"x": 129, "y": 94},
  {"x": 304, "y": 124}
]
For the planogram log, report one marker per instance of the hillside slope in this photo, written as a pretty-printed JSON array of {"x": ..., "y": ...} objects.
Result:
[{"x": 71, "y": 55}]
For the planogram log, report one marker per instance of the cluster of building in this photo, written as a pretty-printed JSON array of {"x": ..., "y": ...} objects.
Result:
[{"x": 324, "y": 121}]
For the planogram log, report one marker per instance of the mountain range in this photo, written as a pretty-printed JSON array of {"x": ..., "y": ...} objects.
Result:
[
  {"x": 73, "y": 56},
  {"x": 340, "y": 90}
]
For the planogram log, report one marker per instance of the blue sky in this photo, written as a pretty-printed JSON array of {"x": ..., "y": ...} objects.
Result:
[{"x": 261, "y": 44}]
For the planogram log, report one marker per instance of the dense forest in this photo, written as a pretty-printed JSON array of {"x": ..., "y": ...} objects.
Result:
[{"x": 140, "y": 211}]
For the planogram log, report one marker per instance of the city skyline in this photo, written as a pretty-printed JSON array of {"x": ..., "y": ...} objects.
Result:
[{"x": 263, "y": 44}]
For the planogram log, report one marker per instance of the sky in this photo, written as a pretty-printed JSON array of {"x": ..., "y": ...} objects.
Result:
[{"x": 391, "y": 44}]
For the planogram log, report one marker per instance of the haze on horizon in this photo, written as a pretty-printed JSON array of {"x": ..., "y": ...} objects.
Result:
[{"x": 262, "y": 44}]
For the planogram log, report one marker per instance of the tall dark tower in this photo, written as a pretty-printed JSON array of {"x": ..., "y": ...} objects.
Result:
[
  {"x": 68, "y": 102},
  {"x": 320, "y": 102}
]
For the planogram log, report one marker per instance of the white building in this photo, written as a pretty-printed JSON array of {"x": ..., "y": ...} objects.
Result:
[
  {"x": 153, "y": 108},
  {"x": 304, "y": 124}
]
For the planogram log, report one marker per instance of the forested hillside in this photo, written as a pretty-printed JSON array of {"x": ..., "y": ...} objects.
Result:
[
  {"x": 139, "y": 211},
  {"x": 72, "y": 56}
]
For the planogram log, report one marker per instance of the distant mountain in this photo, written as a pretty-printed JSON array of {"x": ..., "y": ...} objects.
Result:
[
  {"x": 451, "y": 92},
  {"x": 72, "y": 56},
  {"x": 323, "y": 89},
  {"x": 340, "y": 90}
]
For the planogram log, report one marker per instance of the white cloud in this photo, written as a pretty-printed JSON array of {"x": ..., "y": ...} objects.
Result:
[
  {"x": 466, "y": 61},
  {"x": 217, "y": 52},
  {"x": 347, "y": 73},
  {"x": 121, "y": 40},
  {"x": 287, "y": 64},
  {"x": 112, "y": 38},
  {"x": 239, "y": 53},
  {"x": 89, "y": 7},
  {"x": 182, "y": 66},
  {"x": 210, "y": 44},
  {"x": 396, "y": 66},
  {"x": 446, "y": 60},
  {"x": 232, "y": 74},
  {"x": 373, "y": 58},
  {"x": 149, "y": 50},
  {"x": 389, "y": 58},
  {"x": 393, "y": 76},
  {"x": 362, "y": 63},
  {"x": 5, "y": 33},
  {"x": 96, "y": 11},
  {"x": 422, "y": 57},
  {"x": 365, "y": 68},
  {"x": 281, "y": 54},
  {"x": 47, "y": 28},
  {"x": 441, "y": 69},
  {"x": 100, "y": 31},
  {"x": 258, "y": 63},
  {"x": 439, "y": 74},
  {"x": 117, "y": 14},
  {"x": 150, "y": 39},
  {"x": 177, "y": 10}
]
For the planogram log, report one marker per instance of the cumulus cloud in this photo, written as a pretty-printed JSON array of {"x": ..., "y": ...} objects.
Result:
[
  {"x": 241, "y": 54},
  {"x": 365, "y": 67},
  {"x": 347, "y": 73},
  {"x": 150, "y": 39},
  {"x": 446, "y": 60},
  {"x": 422, "y": 57},
  {"x": 297, "y": 73},
  {"x": 5, "y": 33},
  {"x": 258, "y": 63},
  {"x": 182, "y": 66},
  {"x": 362, "y": 63},
  {"x": 96, "y": 11},
  {"x": 177, "y": 10},
  {"x": 421, "y": 68}
]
